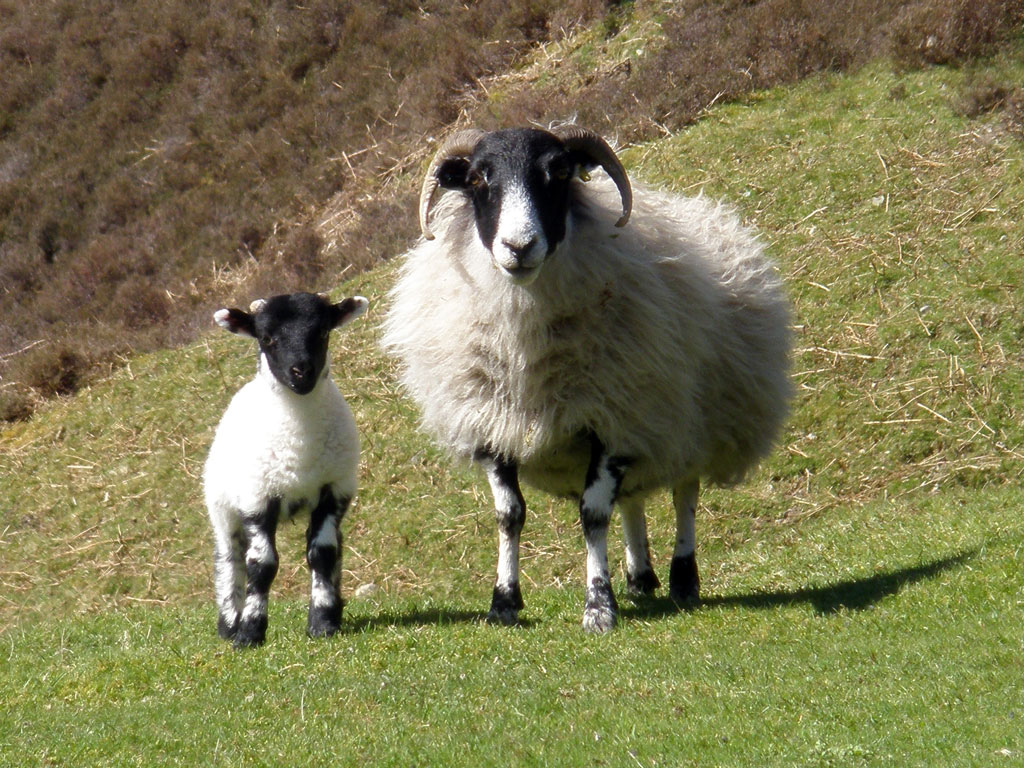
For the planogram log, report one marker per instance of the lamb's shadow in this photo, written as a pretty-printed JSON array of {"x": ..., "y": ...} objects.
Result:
[{"x": 850, "y": 594}]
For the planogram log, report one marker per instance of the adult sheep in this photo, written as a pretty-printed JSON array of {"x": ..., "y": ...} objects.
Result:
[{"x": 546, "y": 340}]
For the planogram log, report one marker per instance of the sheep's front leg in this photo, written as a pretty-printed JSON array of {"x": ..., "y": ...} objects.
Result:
[
  {"x": 323, "y": 554},
  {"x": 641, "y": 580},
  {"x": 604, "y": 477},
  {"x": 683, "y": 580},
  {"x": 260, "y": 570},
  {"x": 510, "y": 510}
]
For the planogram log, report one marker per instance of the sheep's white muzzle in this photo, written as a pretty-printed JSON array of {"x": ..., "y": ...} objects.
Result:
[{"x": 519, "y": 247}]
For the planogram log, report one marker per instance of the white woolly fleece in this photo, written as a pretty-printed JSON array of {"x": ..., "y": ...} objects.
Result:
[
  {"x": 272, "y": 442},
  {"x": 668, "y": 338}
]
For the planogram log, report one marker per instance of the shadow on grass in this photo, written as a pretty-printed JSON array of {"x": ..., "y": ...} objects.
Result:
[
  {"x": 851, "y": 594},
  {"x": 421, "y": 617}
]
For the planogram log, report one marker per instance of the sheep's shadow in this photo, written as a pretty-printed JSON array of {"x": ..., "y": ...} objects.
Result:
[
  {"x": 421, "y": 618},
  {"x": 849, "y": 594}
]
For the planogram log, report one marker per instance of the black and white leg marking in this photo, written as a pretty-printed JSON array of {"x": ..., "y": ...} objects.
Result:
[
  {"x": 323, "y": 554},
  {"x": 229, "y": 579},
  {"x": 641, "y": 580},
  {"x": 260, "y": 570},
  {"x": 510, "y": 510},
  {"x": 604, "y": 477},
  {"x": 683, "y": 580}
]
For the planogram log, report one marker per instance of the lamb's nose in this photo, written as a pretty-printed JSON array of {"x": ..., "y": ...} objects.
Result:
[{"x": 300, "y": 372}]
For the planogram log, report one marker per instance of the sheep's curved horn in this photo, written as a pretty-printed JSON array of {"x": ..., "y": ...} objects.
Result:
[
  {"x": 588, "y": 142},
  {"x": 459, "y": 144}
]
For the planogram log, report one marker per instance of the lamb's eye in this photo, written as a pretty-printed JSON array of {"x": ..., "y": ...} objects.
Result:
[
  {"x": 475, "y": 179},
  {"x": 266, "y": 341},
  {"x": 561, "y": 174}
]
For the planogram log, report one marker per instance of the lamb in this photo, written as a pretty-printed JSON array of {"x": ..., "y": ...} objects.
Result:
[
  {"x": 287, "y": 444},
  {"x": 544, "y": 339}
]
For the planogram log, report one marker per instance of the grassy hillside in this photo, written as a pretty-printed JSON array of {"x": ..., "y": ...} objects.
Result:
[{"x": 862, "y": 591}]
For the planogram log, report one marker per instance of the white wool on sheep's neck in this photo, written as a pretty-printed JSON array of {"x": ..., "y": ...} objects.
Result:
[{"x": 525, "y": 371}]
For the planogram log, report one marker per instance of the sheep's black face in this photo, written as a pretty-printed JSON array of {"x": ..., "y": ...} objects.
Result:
[
  {"x": 518, "y": 181},
  {"x": 293, "y": 331}
]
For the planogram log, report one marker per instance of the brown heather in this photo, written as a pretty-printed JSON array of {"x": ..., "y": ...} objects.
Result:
[{"x": 158, "y": 159}]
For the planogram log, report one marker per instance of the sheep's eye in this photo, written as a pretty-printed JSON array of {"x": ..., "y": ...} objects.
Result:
[
  {"x": 561, "y": 174},
  {"x": 266, "y": 340},
  {"x": 475, "y": 179}
]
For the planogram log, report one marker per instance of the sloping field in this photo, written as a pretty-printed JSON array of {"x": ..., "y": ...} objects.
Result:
[{"x": 863, "y": 591}]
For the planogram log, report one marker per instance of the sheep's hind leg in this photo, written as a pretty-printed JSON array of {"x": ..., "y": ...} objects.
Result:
[
  {"x": 260, "y": 568},
  {"x": 323, "y": 554},
  {"x": 229, "y": 579},
  {"x": 684, "y": 580},
  {"x": 641, "y": 580},
  {"x": 510, "y": 510},
  {"x": 604, "y": 477}
]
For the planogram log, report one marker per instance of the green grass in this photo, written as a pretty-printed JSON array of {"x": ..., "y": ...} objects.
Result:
[
  {"x": 908, "y": 658},
  {"x": 863, "y": 591}
]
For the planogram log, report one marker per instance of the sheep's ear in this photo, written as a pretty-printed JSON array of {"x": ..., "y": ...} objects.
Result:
[
  {"x": 348, "y": 310},
  {"x": 236, "y": 321},
  {"x": 453, "y": 173}
]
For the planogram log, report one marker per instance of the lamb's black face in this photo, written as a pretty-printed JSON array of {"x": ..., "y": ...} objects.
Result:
[
  {"x": 518, "y": 181},
  {"x": 293, "y": 331}
]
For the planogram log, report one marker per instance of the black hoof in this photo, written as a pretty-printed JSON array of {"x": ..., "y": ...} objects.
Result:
[
  {"x": 684, "y": 581},
  {"x": 641, "y": 585},
  {"x": 323, "y": 622},
  {"x": 251, "y": 633},
  {"x": 227, "y": 629},
  {"x": 506, "y": 602}
]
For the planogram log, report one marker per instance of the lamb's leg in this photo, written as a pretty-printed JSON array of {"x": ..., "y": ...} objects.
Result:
[
  {"x": 683, "y": 580},
  {"x": 510, "y": 510},
  {"x": 641, "y": 580},
  {"x": 323, "y": 553},
  {"x": 602, "y": 486},
  {"x": 229, "y": 577},
  {"x": 260, "y": 568}
]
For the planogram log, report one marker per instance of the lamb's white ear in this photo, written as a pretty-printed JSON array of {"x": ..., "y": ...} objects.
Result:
[
  {"x": 349, "y": 309},
  {"x": 236, "y": 321}
]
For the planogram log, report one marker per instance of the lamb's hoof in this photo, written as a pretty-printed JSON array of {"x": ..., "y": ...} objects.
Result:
[
  {"x": 227, "y": 628},
  {"x": 323, "y": 623},
  {"x": 506, "y": 602},
  {"x": 507, "y": 617},
  {"x": 251, "y": 633},
  {"x": 684, "y": 581},
  {"x": 642, "y": 585},
  {"x": 601, "y": 612}
]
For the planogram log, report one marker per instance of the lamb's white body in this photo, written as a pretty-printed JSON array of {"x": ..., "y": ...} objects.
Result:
[
  {"x": 272, "y": 443},
  {"x": 669, "y": 339},
  {"x": 287, "y": 444}
]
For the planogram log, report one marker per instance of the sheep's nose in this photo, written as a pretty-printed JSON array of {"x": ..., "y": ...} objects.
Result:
[
  {"x": 520, "y": 250},
  {"x": 300, "y": 372}
]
